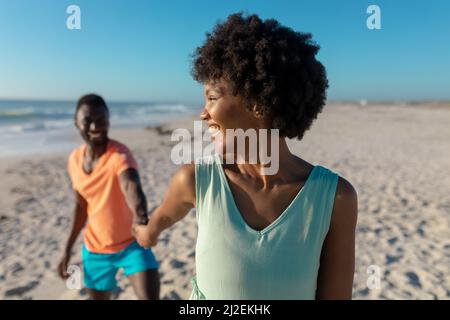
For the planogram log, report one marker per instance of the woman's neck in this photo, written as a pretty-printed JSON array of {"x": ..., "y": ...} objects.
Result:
[{"x": 289, "y": 167}]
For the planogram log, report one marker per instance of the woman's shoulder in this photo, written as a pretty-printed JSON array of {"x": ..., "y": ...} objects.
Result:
[
  {"x": 345, "y": 199},
  {"x": 345, "y": 189},
  {"x": 345, "y": 208},
  {"x": 345, "y": 192},
  {"x": 183, "y": 182},
  {"x": 326, "y": 171},
  {"x": 184, "y": 177}
]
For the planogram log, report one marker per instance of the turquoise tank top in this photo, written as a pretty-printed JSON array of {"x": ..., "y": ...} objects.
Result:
[{"x": 234, "y": 261}]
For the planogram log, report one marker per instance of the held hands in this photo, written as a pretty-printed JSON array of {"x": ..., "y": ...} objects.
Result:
[{"x": 144, "y": 235}]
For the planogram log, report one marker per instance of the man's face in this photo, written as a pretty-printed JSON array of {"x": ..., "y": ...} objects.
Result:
[{"x": 93, "y": 124}]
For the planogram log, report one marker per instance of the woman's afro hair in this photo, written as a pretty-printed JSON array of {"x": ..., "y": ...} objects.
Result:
[{"x": 271, "y": 67}]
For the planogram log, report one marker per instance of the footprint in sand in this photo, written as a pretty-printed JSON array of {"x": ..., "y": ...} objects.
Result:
[
  {"x": 414, "y": 279},
  {"x": 173, "y": 295},
  {"x": 22, "y": 204},
  {"x": 420, "y": 228},
  {"x": 20, "y": 191},
  {"x": 16, "y": 269},
  {"x": 19, "y": 291},
  {"x": 363, "y": 292},
  {"x": 61, "y": 221},
  {"x": 168, "y": 281},
  {"x": 392, "y": 259},
  {"x": 392, "y": 240},
  {"x": 177, "y": 264}
]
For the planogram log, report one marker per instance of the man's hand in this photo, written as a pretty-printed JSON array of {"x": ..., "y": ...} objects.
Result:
[
  {"x": 145, "y": 238},
  {"x": 79, "y": 220},
  {"x": 62, "y": 267}
]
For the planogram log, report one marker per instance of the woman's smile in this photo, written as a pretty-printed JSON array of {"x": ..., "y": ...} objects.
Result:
[{"x": 213, "y": 129}]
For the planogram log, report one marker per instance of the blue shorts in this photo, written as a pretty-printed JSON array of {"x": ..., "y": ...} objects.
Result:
[{"x": 100, "y": 269}]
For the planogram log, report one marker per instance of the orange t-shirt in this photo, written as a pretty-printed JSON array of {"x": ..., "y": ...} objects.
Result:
[{"x": 109, "y": 223}]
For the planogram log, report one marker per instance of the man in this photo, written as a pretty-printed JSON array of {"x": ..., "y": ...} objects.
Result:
[{"x": 109, "y": 197}]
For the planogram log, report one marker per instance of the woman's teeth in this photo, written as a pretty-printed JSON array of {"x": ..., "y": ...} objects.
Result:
[{"x": 213, "y": 130}]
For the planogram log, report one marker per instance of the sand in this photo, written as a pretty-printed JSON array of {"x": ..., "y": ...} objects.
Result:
[{"x": 397, "y": 157}]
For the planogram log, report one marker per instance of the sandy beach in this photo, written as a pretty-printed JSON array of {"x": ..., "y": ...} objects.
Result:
[{"x": 397, "y": 157}]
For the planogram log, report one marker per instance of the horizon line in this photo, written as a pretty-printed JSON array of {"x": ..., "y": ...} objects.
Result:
[{"x": 359, "y": 101}]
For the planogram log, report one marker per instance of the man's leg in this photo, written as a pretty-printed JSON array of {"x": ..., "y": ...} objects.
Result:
[
  {"x": 146, "y": 284},
  {"x": 98, "y": 295},
  {"x": 99, "y": 274}
]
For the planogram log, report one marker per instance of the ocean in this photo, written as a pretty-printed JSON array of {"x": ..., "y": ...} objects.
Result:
[{"x": 31, "y": 127}]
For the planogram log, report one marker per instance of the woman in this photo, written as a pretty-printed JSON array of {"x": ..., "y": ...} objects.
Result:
[{"x": 289, "y": 235}]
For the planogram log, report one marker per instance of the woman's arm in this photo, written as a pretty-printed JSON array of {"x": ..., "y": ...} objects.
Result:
[
  {"x": 337, "y": 262},
  {"x": 79, "y": 220},
  {"x": 178, "y": 200}
]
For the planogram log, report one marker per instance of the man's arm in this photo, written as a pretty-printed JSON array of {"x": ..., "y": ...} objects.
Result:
[
  {"x": 130, "y": 183},
  {"x": 337, "y": 263},
  {"x": 79, "y": 220},
  {"x": 178, "y": 200}
]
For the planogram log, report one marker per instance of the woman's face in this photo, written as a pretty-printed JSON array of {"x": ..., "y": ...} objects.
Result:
[{"x": 224, "y": 111}]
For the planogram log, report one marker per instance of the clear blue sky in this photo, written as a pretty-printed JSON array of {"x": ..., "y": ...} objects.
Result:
[{"x": 140, "y": 50}]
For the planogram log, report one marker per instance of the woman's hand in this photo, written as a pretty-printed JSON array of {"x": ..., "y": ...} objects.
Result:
[{"x": 144, "y": 236}]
